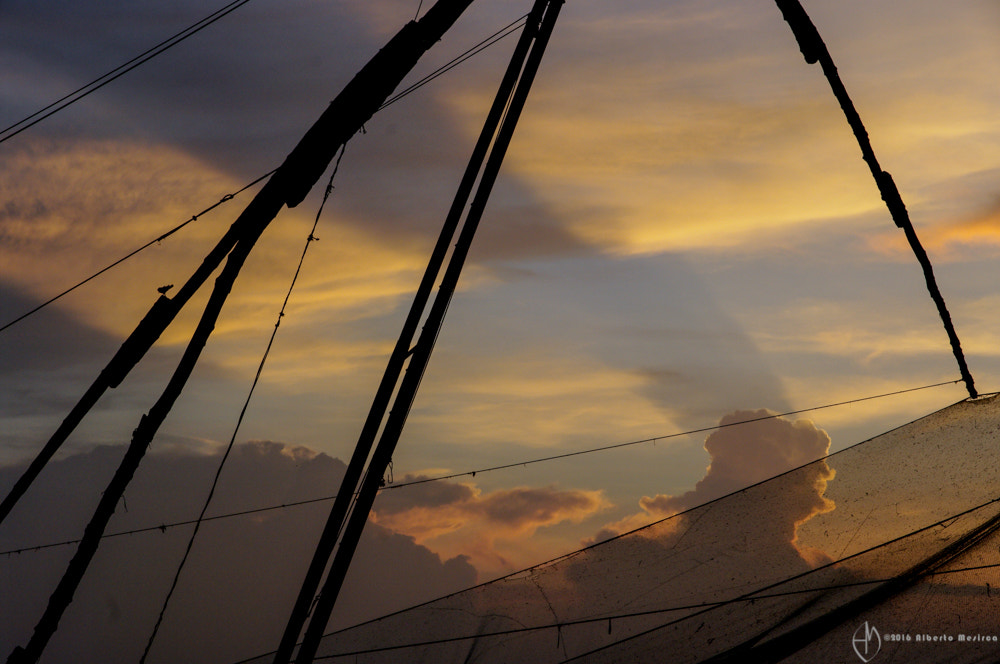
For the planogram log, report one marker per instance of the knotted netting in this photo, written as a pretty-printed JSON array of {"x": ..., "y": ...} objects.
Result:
[{"x": 886, "y": 549}]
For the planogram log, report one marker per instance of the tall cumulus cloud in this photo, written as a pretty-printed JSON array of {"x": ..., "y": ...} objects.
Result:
[{"x": 752, "y": 446}]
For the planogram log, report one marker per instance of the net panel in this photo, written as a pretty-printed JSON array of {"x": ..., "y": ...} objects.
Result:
[{"x": 884, "y": 543}]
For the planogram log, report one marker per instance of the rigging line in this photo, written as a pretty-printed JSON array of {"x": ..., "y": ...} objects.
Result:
[
  {"x": 500, "y": 34},
  {"x": 165, "y": 526},
  {"x": 747, "y": 597},
  {"x": 398, "y": 485},
  {"x": 667, "y": 436},
  {"x": 260, "y": 368},
  {"x": 478, "y": 48},
  {"x": 224, "y": 199},
  {"x": 117, "y": 72},
  {"x": 814, "y": 50}
]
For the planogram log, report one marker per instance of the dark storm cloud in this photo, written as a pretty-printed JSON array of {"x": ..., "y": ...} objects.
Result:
[
  {"x": 522, "y": 506},
  {"x": 47, "y": 362},
  {"x": 238, "y": 585},
  {"x": 252, "y": 77},
  {"x": 428, "y": 494}
]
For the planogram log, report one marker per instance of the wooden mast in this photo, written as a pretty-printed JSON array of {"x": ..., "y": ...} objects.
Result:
[
  {"x": 359, "y": 100},
  {"x": 537, "y": 31}
]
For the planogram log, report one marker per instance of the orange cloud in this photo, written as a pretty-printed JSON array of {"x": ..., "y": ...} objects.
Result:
[
  {"x": 490, "y": 528},
  {"x": 977, "y": 235}
]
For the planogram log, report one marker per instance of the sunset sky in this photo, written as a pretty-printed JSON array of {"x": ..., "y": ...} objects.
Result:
[{"x": 683, "y": 228}]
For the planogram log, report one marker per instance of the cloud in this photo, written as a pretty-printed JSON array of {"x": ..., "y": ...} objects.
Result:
[
  {"x": 239, "y": 584},
  {"x": 977, "y": 236},
  {"x": 34, "y": 347},
  {"x": 109, "y": 197},
  {"x": 492, "y": 528},
  {"x": 745, "y": 455}
]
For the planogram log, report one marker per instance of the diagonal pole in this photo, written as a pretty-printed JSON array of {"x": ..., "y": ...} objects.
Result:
[
  {"x": 814, "y": 50},
  {"x": 346, "y": 114},
  {"x": 421, "y": 352},
  {"x": 359, "y": 100},
  {"x": 394, "y": 367}
]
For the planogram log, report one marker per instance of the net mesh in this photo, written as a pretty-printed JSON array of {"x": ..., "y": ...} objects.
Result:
[{"x": 888, "y": 547}]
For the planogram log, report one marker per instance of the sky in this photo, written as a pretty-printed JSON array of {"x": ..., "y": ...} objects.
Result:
[{"x": 683, "y": 230}]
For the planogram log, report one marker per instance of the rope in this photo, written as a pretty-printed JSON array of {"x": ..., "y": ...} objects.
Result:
[
  {"x": 117, "y": 72},
  {"x": 469, "y": 473},
  {"x": 224, "y": 199},
  {"x": 260, "y": 368},
  {"x": 666, "y": 437}
]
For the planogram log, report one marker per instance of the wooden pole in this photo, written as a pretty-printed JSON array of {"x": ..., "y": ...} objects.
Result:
[
  {"x": 814, "y": 50},
  {"x": 422, "y": 350},
  {"x": 394, "y": 367},
  {"x": 347, "y": 113}
]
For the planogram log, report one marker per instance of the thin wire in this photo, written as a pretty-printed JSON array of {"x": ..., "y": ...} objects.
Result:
[
  {"x": 224, "y": 199},
  {"x": 117, "y": 72},
  {"x": 478, "y": 48},
  {"x": 507, "y": 30},
  {"x": 666, "y": 437},
  {"x": 473, "y": 473},
  {"x": 260, "y": 368}
]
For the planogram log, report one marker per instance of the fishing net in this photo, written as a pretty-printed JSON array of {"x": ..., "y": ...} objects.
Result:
[{"x": 886, "y": 549}]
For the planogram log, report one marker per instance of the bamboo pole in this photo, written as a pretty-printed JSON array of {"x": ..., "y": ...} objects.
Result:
[
  {"x": 422, "y": 350},
  {"x": 401, "y": 351},
  {"x": 359, "y": 100},
  {"x": 814, "y": 50}
]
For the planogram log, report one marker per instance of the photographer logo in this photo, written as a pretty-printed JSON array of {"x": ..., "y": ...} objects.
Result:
[{"x": 866, "y": 642}]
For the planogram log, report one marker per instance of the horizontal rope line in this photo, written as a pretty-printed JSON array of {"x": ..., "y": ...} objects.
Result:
[{"x": 473, "y": 473}]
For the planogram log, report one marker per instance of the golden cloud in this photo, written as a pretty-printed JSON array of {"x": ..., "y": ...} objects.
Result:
[
  {"x": 72, "y": 209},
  {"x": 534, "y": 397},
  {"x": 491, "y": 528},
  {"x": 975, "y": 237}
]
